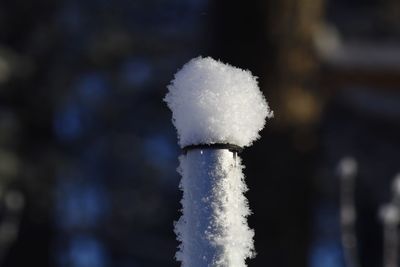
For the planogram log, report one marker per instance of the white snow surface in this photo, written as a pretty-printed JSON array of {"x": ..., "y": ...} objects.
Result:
[
  {"x": 213, "y": 102},
  {"x": 213, "y": 228}
]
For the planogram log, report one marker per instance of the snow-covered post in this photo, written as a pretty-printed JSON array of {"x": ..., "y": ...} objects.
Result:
[
  {"x": 347, "y": 172},
  {"x": 390, "y": 217},
  {"x": 217, "y": 110},
  {"x": 396, "y": 190}
]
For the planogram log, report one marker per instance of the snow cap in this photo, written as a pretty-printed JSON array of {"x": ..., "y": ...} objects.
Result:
[
  {"x": 389, "y": 213},
  {"x": 347, "y": 168},
  {"x": 213, "y": 102}
]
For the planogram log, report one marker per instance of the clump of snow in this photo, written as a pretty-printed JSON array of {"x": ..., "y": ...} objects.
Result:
[
  {"x": 213, "y": 229},
  {"x": 389, "y": 214},
  {"x": 347, "y": 168},
  {"x": 213, "y": 102}
]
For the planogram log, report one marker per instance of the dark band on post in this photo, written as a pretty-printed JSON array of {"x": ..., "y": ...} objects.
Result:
[{"x": 230, "y": 147}]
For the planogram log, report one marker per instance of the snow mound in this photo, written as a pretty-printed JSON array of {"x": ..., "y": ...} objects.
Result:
[{"x": 213, "y": 102}]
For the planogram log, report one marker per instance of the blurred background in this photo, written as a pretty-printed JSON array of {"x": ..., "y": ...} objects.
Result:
[{"x": 88, "y": 153}]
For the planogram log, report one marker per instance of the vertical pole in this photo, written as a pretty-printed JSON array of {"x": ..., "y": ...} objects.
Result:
[
  {"x": 390, "y": 245},
  {"x": 390, "y": 217},
  {"x": 348, "y": 170},
  {"x": 215, "y": 107},
  {"x": 213, "y": 230}
]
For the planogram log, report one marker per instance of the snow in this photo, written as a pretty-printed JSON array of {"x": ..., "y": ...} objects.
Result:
[
  {"x": 389, "y": 214},
  {"x": 213, "y": 102},
  {"x": 213, "y": 230},
  {"x": 347, "y": 168}
]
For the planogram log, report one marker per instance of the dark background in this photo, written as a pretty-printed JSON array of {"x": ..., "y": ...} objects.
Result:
[{"x": 88, "y": 153}]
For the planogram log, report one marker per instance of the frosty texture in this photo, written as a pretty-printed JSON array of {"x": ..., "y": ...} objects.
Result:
[
  {"x": 213, "y": 229},
  {"x": 213, "y": 102}
]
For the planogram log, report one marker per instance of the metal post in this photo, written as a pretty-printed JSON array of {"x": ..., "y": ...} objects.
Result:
[{"x": 213, "y": 229}]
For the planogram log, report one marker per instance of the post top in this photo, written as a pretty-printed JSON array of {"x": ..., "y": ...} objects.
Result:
[{"x": 213, "y": 102}]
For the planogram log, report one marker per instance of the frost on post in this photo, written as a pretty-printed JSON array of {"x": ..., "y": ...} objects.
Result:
[{"x": 214, "y": 104}]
